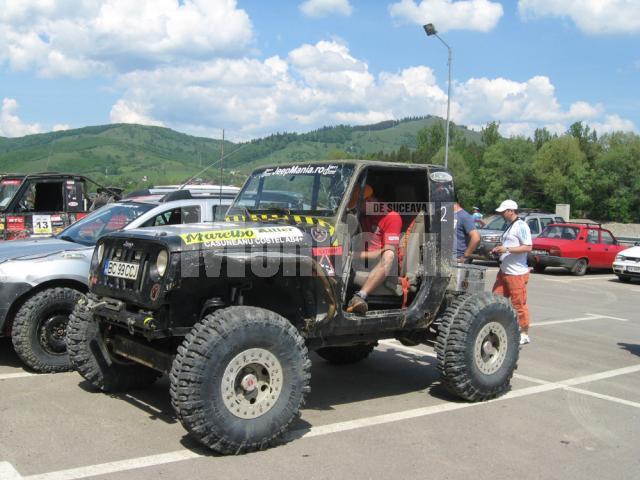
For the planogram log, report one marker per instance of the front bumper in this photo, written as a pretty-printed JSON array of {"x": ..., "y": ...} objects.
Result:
[
  {"x": 552, "y": 261},
  {"x": 9, "y": 292},
  {"x": 626, "y": 268},
  {"x": 116, "y": 312}
]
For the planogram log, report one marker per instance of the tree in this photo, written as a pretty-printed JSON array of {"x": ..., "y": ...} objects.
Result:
[
  {"x": 561, "y": 167},
  {"x": 429, "y": 141},
  {"x": 462, "y": 175},
  {"x": 490, "y": 134},
  {"x": 541, "y": 136}
]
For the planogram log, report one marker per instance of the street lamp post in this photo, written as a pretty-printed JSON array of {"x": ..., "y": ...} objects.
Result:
[{"x": 431, "y": 31}]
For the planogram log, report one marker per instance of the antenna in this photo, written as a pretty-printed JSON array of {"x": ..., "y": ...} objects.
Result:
[
  {"x": 221, "y": 167},
  {"x": 213, "y": 164}
]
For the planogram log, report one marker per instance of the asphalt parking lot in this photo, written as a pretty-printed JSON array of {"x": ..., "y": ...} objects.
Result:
[{"x": 573, "y": 412}]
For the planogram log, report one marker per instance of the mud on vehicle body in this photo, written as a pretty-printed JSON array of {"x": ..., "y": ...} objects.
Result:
[{"x": 231, "y": 310}]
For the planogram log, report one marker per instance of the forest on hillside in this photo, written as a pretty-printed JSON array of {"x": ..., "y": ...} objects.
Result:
[{"x": 598, "y": 175}]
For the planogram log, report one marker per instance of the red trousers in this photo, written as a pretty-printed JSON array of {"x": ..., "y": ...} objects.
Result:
[{"x": 514, "y": 287}]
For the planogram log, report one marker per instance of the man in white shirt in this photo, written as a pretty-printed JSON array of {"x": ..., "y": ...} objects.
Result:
[{"x": 513, "y": 277}]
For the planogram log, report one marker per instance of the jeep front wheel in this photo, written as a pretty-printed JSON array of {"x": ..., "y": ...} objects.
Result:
[
  {"x": 477, "y": 346},
  {"x": 38, "y": 331},
  {"x": 240, "y": 378},
  {"x": 90, "y": 355}
]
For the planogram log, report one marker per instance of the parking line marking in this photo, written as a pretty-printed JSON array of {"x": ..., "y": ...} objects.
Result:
[
  {"x": 601, "y": 396},
  {"x": 609, "y": 316},
  {"x": 594, "y": 377},
  {"x": 399, "y": 346},
  {"x": 9, "y": 376},
  {"x": 321, "y": 430},
  {"x": 592, "y": 316},
  {"x": 118, "y": 466},
  {"x": 8, "y": 472}
]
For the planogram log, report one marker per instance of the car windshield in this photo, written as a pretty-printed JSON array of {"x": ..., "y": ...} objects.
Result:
[
  {"x": 312, "y": 189},
  {"x": 109, "y": 218},
  {"x": 8, "y": 188},
  {"x": 563, "y": 233},
  {"x": 498, "y": 223}
]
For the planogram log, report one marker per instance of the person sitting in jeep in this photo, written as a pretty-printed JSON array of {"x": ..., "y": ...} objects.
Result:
[{"x": 382, "y": 232}]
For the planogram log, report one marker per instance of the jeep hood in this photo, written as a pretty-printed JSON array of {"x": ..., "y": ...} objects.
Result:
[
  {"x": 228, "y": 235},
  {"x": 33, "y": 248}
]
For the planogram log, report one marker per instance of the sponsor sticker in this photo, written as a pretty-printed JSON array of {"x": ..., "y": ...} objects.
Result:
[
  {"x": 319, "y": 234},
  {"x": 15, "y": 223},
  {"x": 301, "y": 170},
  {"x": 243, "y": 236}
]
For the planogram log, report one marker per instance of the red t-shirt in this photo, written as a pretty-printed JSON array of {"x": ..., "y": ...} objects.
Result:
[{"x": 383, "y": 230}]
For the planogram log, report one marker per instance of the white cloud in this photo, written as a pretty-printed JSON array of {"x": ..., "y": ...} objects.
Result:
[
  {"x": 479, "y": 15},
  {"x": 323, "y": 8},
  {"x": 59, "y": 127},
  {"x": 598, "y": 17},
  {"x": 612, "y": 123},
  {"x": 132, "y": 112},
  {"x": 81, "y": 37},
  {"x": 324, "y": 84},
  {"x": 11, "y": 125}
]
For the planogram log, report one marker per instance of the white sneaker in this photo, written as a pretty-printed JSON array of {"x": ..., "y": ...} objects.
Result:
[{"x": 524, "y": 339}]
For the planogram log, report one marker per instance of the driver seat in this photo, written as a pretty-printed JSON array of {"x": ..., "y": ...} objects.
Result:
[{"x": 411, "y": 270}]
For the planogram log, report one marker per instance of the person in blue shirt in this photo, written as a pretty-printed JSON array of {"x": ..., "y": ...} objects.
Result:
[
  {"x": 476, "y": 214},
  {"x": 467, "y": 236}
]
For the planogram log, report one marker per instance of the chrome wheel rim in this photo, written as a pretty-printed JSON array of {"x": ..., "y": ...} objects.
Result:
[
  {"x": 252, "y": 383},
  {"x": 490, "y": 348}
]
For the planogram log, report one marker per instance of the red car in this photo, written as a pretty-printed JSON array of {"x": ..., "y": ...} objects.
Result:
[{"x": 574, "y": 246}]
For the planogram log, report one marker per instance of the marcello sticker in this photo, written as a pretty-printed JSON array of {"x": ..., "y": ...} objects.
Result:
[{"x": 243, "y": 236}]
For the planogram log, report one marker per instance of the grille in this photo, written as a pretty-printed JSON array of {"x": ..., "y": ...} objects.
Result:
[
  {"x": 632, "y": 259},
  {"x": 129, "y": 255}
]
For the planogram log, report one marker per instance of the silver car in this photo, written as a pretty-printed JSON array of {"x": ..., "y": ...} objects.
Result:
[{"x": 42, "y": 279}]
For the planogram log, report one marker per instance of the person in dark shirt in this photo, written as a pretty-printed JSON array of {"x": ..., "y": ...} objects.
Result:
[
  {"x": 382, "y": 246},
  {"x": 467, "y": 236}
]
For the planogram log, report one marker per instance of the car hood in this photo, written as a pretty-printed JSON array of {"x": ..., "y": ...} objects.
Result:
[
  {"x": 228, "y": 235},
  {"x": 631, "y": 252},
  {"x": 487, "y": 233},
  {"x": 28, "y": 249}
]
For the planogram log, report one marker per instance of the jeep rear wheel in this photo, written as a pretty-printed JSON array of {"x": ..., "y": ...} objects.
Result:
[
  {"x": 38, "y": 331},
  {"x": 477, "y": 346},
  {"x": 346, "y": 355},
  {"x": 90, "y": 356},
  {"x": 239, "y": 379}
]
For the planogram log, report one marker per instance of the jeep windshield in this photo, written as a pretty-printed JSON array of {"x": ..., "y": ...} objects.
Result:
[
  {"x": 8, "y": 188},
  {"x": 315, "y": 189},
  {"x": 109, "y": 218}
]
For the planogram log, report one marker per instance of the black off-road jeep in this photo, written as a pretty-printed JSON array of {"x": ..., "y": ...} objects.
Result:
[{"x": 230, "y": 310}]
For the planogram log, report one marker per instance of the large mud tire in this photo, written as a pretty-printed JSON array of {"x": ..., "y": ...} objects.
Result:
[
  {"x": 346, "y": 355},
  {"x": 225, "y": 354},
  {"x": 478, "y": 346},
  {"x": 90, "y": 356},
  {"x": 38, "y": 331}
]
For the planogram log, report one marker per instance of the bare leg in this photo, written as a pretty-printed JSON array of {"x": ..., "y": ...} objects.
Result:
[{"x": 379, "y": 272}]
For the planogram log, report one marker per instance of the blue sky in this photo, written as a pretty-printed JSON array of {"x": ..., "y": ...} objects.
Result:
[{"x": 255, "y": 67}]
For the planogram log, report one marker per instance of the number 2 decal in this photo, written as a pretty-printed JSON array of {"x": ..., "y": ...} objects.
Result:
[{"x": 443, "y": 210}]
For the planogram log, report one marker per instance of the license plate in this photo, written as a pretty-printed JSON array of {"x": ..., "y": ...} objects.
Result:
[
  {"x": 125, "y": 270},
  {"x": 633, "y": 269},
  {"x": 540, "y": 252}
]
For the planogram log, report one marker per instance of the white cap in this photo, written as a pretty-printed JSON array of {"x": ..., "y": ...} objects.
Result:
[{"x": 507, "y": 205}]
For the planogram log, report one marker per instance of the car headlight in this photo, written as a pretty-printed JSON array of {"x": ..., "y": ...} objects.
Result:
[
  {"x": 161, "y": 262},
  {"x": 620, "y": 258},
  {"x": 100, "y": 252}
]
